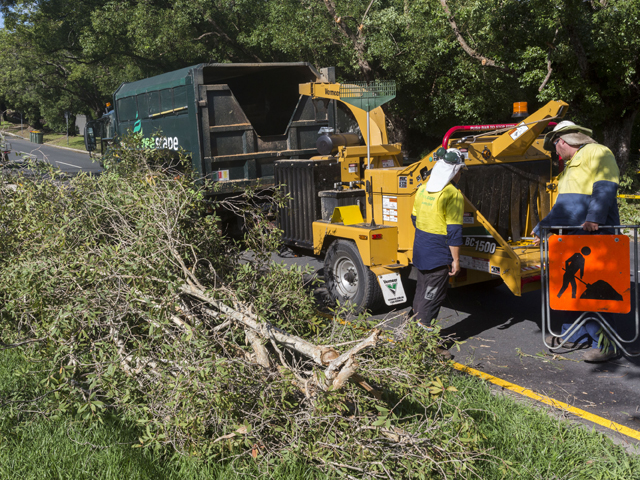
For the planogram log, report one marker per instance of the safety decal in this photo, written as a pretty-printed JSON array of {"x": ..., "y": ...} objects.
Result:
[
  {"x": 474, "y": 263},
  {"x": 402, "y": 182},
  {"x": 495, "y": 270},
  {"x": 353, "y": 168},
  {"x": 392, "y": 288},
  {"x": 529, "y": 268},
  {"x": 467, "y": 218},
  {"x": 389, "y": 209},
  {"x": 519, "y": 131},
  {"x": 387, "y": 163}
]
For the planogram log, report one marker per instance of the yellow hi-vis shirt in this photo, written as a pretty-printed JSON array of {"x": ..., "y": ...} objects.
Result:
[
  {"x": 591, "y": 164},
  {"x": 587, "y": 189},
  {"x": 434, "y": 211},
  {"x": 438, "y": 221}
]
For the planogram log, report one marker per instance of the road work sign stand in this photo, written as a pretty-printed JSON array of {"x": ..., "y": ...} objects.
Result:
[{"x": 588, "y": 274}]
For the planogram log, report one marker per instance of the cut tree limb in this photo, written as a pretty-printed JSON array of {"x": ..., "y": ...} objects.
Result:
[
  {"x": 339, "y": 368},
  {"x": 320, "y": 355},
  {"x": 262, "y": 355}
]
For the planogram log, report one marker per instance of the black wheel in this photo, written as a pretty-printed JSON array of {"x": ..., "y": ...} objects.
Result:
[{"x": 348, "y": 279}]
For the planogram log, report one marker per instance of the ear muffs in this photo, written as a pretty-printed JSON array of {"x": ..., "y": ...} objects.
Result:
[
  {"x": 452, "y": 158},
  {"x": 440, "y": 153}
]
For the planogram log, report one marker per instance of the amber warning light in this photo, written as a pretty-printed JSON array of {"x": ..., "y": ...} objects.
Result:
[{"x": 520, "y": 110}]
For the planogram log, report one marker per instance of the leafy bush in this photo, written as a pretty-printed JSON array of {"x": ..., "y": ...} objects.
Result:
[{"x": 95, "y": 275}]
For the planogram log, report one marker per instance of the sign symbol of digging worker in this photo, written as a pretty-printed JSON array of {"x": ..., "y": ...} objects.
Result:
[
  {"x": 599, "y": 290},
  {"x": 572, "y": 265},
  {"x": 600, "y": 263}
]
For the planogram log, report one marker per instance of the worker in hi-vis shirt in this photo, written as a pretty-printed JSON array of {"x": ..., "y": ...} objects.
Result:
[
  {"x": 437, "y": 215},
  {"x": 587, "y": 197}
]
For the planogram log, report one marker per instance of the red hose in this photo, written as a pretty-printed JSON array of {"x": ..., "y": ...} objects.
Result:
[{"x": 452, "y": 130}]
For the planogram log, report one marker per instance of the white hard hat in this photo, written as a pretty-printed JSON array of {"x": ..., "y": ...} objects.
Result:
[
  {"x": 562, "y": 124},
  {"x": 571, "y": 133}
]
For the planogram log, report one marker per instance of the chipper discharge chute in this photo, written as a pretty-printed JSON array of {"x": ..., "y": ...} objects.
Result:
[{"x": 362, "y": 225}]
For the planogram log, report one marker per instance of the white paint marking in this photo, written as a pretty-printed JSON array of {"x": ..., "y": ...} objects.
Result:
[{"x": 68, "y": 165}]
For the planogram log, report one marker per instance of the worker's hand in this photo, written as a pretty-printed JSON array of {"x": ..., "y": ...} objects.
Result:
[
  {"x": 590, "y": 226},
  {"x": 455, "y": 268},
  {"x": 536, "y": 240}
]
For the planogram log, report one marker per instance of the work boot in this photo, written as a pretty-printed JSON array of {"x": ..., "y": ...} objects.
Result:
[
  {"x": 428, "y": 328},
  {"x": 555, "y": 341},
  {"x": 597, "y": 356}
]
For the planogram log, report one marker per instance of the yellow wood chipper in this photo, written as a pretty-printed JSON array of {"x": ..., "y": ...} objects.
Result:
[{"x": 352, "y": 204}]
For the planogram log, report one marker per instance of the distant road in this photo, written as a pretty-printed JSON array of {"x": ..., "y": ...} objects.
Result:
[{"x": 69, "y": 161}]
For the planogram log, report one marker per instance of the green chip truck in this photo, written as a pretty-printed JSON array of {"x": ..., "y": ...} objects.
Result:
[{"x": 233, "y": 120}]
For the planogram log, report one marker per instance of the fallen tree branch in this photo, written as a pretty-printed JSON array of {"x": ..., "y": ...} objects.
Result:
[
  {"x": 262, "y": 355},
  {"x": 340, "y": 368},
  {"x": 320, "y": 355},
  {"x": 6, "y": 346}
]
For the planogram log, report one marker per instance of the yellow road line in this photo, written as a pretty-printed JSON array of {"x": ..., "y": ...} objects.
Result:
[{"x": 616, "y": 427}]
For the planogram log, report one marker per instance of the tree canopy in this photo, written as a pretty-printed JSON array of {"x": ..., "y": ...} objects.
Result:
[{"x": 455, "y": 61}]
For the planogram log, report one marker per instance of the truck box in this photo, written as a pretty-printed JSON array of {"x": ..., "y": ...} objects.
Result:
[{"x": 234, "y": 120}]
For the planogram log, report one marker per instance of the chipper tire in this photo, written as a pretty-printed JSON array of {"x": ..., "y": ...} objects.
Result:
[{"x": 348, "y": 280}]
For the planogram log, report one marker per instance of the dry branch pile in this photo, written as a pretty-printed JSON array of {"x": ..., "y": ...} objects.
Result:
[{"x": 126, "y": 289}]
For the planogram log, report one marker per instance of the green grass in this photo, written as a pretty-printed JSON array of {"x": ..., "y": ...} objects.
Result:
[
  {"x": 536, "y": 445},
  {"x": 39, "y": 448},
  {"x": 526, "y": 442},
  {"x": 75, "y": 141}
]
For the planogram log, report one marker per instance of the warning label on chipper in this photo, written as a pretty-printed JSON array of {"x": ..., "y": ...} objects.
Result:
[
  {"x": 392, "y": 288},
  {"x": 389, "y": 208},
  {"x": 474, "y": 263}
]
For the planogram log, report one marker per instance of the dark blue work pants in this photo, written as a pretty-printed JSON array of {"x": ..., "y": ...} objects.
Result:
[{"x": 589, "y": 331}]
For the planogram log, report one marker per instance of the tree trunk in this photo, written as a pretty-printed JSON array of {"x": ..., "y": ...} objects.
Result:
[{"x": 617, "y": 136}]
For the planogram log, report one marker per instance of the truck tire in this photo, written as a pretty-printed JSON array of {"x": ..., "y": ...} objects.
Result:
[{"x": 348, "y": 280}]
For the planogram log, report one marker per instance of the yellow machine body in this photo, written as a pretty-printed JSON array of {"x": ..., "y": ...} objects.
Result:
[{"x": 491, "y": 251}]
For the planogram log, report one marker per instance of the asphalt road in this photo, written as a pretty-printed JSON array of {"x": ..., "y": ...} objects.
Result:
[
  {"x": 502, "y": 336},
  {"x": 67, "y": 160}
]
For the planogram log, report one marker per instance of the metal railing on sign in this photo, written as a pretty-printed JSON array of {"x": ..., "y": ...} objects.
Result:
[{"x": 586, "y": 316}]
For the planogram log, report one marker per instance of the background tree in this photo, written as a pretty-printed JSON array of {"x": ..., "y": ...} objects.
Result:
[
  {"x": 584, "y": 52},
  {"x": 455, "y": 61}
]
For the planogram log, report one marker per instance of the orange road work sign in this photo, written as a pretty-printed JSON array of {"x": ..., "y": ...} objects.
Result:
[{"x": 589, "y": 273}]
